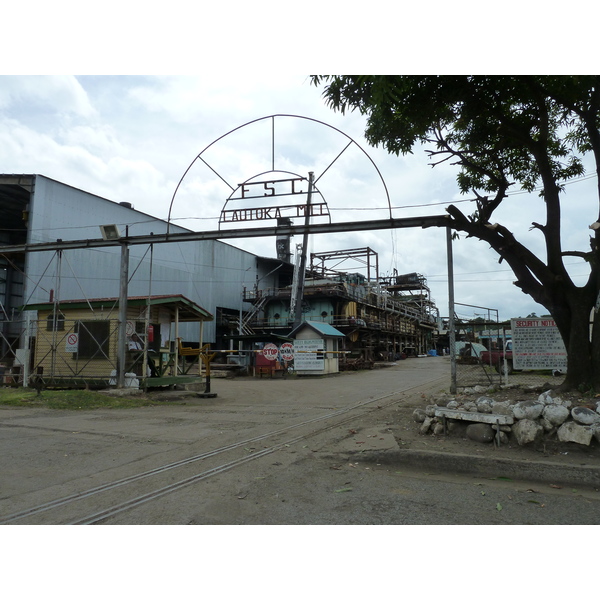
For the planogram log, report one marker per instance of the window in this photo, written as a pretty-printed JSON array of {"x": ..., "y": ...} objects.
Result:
[
  {"x": 55, "y": 322},
  {"x": 93, "y": 339}
]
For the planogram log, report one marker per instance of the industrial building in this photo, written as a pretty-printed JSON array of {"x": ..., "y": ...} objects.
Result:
[
  {"x": 37, "y": 209},
  {"x": 382, "y": 318},
  {"x": 249, "y": 297}
]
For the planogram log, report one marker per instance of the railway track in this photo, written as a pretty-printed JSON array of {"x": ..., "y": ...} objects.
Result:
[{"x": 98, "y": 504}]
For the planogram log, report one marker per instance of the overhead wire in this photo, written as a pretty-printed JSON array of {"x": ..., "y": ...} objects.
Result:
[{"x": 354, "y": 208}]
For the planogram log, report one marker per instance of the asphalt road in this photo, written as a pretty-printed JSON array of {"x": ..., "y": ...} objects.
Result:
[{"x": 264, "y": 451}]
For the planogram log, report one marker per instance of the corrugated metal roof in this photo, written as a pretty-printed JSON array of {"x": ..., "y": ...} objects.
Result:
[
  {"x": 188, "y": 310},
  {"x": 325, "y": 329}
]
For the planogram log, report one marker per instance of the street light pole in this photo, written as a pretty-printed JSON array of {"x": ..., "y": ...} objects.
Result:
[{"x": 122, "y": 334}]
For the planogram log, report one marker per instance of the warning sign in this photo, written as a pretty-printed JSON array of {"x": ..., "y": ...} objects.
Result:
[
  {"x": 72, "y": 342},
  {"x": 287, "y": 351},
  {"x": 270, "y": 351},
  {"x": 129, "y": 328},
  {"x": 309, "y": 355},
  {"x": 537, "y": 345}
]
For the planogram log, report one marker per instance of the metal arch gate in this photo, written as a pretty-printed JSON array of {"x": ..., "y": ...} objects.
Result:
[{"x": 283, "y": 228}]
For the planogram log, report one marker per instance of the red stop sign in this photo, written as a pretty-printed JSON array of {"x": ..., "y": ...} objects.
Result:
[{"x": 270, "y": 351}]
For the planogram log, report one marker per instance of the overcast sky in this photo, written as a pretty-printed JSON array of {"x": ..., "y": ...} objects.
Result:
[{"x": 131, "y": 138}]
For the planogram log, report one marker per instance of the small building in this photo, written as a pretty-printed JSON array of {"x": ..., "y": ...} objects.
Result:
[
  {"x": 316, "y": 348},
  {"x": 75, "y": 342}
]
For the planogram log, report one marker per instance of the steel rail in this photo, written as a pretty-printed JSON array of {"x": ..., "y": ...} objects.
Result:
[
  {"x": 132, "y": 503},
  {"x": 135, "y": 502}
]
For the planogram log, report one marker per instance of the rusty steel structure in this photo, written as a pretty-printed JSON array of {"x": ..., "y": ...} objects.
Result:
[{"x": 381, "y": 317}]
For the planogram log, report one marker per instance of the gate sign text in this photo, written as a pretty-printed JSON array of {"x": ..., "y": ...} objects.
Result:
[
  {"x": 272, "y": 212},
  {"x": 262, "y": 209},
  {"x": 269, "y": 188},
  {"x": 537, "y": 345}
]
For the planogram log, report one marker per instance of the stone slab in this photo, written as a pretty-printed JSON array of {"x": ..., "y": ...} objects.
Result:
[{"x": 465, "y": 415}]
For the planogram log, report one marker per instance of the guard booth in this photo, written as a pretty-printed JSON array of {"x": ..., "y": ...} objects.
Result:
[
  {"x": 75, "y": 342},
  {"x": 316, "y": 348}
]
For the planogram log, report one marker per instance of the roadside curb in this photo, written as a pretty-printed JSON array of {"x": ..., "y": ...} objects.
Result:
[{"x": 541, "y": 471}]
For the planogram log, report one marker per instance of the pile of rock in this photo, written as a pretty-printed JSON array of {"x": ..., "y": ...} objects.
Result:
[{"x": 547, "y": 417}]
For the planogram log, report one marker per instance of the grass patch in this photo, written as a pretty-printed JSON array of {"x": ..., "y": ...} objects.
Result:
[{"x": 71, "y": 399}]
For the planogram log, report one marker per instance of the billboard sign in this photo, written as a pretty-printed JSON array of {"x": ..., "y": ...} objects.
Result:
[{"x": 537, "y": 345}]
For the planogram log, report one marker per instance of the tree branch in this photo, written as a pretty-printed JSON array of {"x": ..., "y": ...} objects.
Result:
[{"x": 525, "y": 264}]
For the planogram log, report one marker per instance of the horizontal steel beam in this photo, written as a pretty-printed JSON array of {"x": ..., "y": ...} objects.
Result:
[{"x": 195, "y": 236}]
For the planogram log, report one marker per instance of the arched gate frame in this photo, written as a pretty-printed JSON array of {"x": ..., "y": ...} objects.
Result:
[{"x": 282, "y": 229}]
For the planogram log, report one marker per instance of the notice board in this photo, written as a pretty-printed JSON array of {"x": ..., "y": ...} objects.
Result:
[
  {"x": 308, "y": 355},
  {"x": 537, "y": 345}
]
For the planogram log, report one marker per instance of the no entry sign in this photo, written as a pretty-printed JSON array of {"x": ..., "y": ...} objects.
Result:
[{"x": 72, "y": 342}]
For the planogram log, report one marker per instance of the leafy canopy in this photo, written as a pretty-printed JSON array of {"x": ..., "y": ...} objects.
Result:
[{"x": 501, "y": 130}]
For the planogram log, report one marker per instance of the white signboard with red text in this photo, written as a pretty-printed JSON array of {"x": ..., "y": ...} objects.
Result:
[
  {"x": 537, "y": 345},
  {"x": 287, "y": 351}
]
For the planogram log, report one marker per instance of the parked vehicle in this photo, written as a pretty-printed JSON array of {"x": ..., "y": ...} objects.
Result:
[
  {"x": 496, "y": 358},
  {"x": 464, "y": 349}
]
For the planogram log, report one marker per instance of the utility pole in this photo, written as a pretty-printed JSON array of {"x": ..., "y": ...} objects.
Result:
[
  {"x": 451, "y": 325},
  {"x": 299, "y": 291}
]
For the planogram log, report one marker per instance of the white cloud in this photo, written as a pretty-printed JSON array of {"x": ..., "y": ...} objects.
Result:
[
  {"x": 49, "y": 95},
  {"x": 132, "y": 138}
]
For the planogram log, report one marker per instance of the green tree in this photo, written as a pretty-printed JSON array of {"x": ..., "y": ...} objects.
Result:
[{"x": 504, "y": 132}]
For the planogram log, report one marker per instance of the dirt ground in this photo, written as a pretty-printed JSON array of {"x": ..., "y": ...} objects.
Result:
[
  {"x": 337, "y": 465},
  {"x": 399, "y": 421}
]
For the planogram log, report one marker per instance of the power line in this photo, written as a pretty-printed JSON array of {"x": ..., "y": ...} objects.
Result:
[{"x": 355, "y": 208}]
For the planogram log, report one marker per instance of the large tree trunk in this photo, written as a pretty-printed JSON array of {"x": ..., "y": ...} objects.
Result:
[
  {"x": 574, "y": 325},
  {"x": 596, "y": 351}
]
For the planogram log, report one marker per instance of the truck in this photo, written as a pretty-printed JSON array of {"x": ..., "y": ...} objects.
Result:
[{"x": 496, "y": 359}]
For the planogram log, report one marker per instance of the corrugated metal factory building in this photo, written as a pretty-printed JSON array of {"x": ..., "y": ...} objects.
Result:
[{"x": 35, "y": 209}]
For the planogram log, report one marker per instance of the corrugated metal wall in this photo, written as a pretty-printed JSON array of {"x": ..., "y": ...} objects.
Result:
[{"x": 209, "y": 273}]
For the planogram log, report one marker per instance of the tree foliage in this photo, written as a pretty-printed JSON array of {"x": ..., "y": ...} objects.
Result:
[{"x": 504, "y": 133}]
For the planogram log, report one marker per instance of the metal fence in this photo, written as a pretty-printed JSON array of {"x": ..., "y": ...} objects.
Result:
[
  {"x": 479, "y": 332},
  {"x": 54, "y": 352},
  {"x": 13, "y": 360},
  {"x": 84, "y": 352},
  {"x": 476, "y": 373}
]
